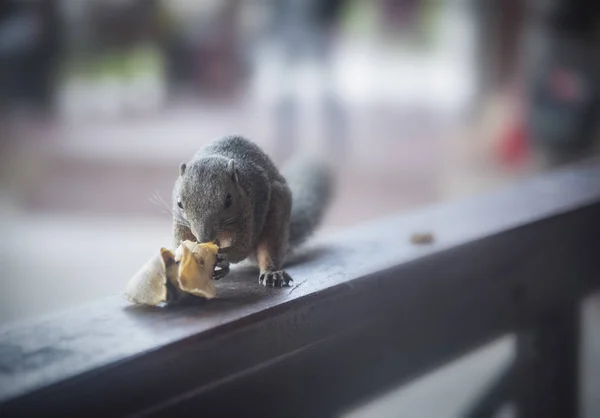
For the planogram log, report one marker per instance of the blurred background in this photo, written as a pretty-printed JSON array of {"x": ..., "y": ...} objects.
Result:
[{"x": 416, "y": 101}]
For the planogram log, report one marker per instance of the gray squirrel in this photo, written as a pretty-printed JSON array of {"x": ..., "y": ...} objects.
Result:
[{"x": 232, "y": 193}]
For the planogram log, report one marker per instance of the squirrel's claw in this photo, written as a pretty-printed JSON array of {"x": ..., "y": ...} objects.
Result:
[
  {"x": 221, "y": 258},
  {"x": 278, "y": 278},
  {"x": 221, "y": 267},
  {"x": 222, "y": 272}
]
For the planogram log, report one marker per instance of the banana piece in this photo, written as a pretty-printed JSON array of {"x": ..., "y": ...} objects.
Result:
[
  {"x": 148, "y": 286},
  {"x": 196, "y": 265},
  {"x": 164, "y": 277}
]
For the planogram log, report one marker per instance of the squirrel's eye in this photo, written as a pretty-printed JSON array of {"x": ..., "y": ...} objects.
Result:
[
  {"x": 228, "y": 201},
  {"x": 179, "y": 203}
]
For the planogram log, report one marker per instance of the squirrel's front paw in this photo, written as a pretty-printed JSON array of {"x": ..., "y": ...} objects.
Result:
[
  {"x": 221, "y": 267},
  {"x": 277, "y": 278}
]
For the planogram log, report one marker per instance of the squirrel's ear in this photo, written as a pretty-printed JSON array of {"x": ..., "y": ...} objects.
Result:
[
  {"x": 232, "y": 171},
  {"x": 182, "y": 167}
]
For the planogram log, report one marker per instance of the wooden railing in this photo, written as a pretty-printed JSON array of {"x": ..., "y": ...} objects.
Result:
[{"x": 368, "y": 311}]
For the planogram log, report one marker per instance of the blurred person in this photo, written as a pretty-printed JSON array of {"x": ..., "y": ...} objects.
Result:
[
  {"x": 562, "y": 85},
  {"x": 400, "y": 13},
  {"x": 29, "y": 46},
  {"x": 305, "y": 30}
]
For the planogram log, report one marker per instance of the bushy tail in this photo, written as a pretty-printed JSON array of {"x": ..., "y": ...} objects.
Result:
[{"x": 311, "y": 181}]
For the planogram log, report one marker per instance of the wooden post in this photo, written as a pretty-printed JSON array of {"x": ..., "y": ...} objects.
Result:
[{"x": 548, "y": 366}]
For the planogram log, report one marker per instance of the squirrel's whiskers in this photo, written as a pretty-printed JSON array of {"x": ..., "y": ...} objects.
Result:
[
  {"x": 160, "y": 202},
  {"x": 229, "y": 221}
]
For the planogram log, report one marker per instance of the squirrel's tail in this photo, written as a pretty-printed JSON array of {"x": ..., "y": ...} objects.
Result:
[{"x": 311, "y": 181}]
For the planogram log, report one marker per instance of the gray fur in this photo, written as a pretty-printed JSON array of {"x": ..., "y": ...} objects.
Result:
[
  {"x": 266, "y": 209},
  {"x": 311, "y": 182}
]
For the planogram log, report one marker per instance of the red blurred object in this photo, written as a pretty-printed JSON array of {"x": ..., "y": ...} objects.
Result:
[
  {"x": 513, "y": 143},
  {"x": 513, "y": 146}
]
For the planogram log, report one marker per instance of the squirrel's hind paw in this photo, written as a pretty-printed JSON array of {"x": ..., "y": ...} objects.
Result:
[{"x": 277, "y": 278}]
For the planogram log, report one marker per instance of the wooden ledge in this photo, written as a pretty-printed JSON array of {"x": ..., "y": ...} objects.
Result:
[{"x": 368, "y": 309}]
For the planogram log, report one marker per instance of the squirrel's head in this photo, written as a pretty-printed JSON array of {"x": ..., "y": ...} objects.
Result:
[{"x": 209, "y": 196}]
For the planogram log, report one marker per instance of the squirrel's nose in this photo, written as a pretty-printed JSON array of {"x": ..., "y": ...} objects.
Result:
[
  {"x": 204, "y": 235},
  {"x": 204, "y": 239}
]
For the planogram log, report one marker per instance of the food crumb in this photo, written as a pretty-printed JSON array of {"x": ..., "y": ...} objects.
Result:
[{"x": 422, "y": 238}]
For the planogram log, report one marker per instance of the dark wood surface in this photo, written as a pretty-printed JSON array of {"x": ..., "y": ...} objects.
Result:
[
  {"x": 390, "y": 308},
  {"x": 548, "y": 360}
]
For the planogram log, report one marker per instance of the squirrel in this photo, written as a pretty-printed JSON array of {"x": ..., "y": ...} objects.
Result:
[{"x": 232, "y": 194}]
